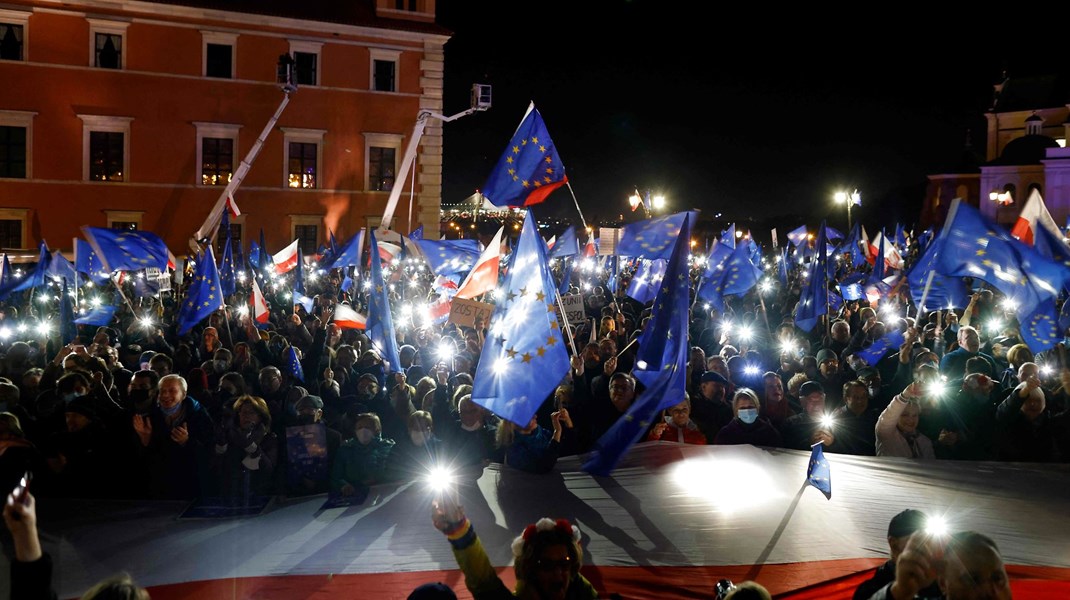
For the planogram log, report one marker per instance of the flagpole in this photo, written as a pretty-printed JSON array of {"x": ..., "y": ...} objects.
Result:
[
  {"x": 127, "y": 300},
  {"x": 577, "y": 202},
  {"x": 564, "y": 317}
]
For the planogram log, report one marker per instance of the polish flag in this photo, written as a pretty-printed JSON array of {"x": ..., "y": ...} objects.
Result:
[
  {"x": 589, "y": 250},
  {"x": 484, "y": 276},
  {"x": 261, "y": 313},
  {"x": 892, "y": 258},
  {"x": 232, "y": 206},
  {"x": 439, "y": 310},
  {"x": 550, "y": 244},
  {"x": 286, "y": 259},
  {"x": 1034, "y": 214},
  {"x": 388, "y": 252},
  {"x": 347, "y": 318},
  {"x": 867, "y": 248}
]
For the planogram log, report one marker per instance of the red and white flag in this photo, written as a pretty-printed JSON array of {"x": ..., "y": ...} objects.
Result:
[
  {"x": 261, "y": 313},
  {"x": 347, "y": 318},
  {"x": 589, "y": 250},
  {"x": 232, "y": 206},
  {"x": 484, "y": 276},
  {"x": 1034, "y": 214},
  {"x": 286, "y": 259},
  {"x": 388, "y": 252},
  {"x": 867, "y": 248},
  {"x": 551, "y": 242}
]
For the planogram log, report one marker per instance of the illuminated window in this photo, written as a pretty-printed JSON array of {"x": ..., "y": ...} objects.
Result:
[
  {"x": 106, "y": 147},
  {"x": 124, "y": 226},
  {"x": 304, "y": 157},
  {"x": 107, "y": 40},
  {"x": 384, "y": 69},
  {"x": 124, "y": 220},
  {"x": 217, "y": 144}
]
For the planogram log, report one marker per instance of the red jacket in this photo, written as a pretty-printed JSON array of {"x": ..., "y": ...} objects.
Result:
[{"x": 690, "y": 434}]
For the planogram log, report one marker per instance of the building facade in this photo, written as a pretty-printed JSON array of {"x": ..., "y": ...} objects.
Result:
[
  {"x": 136, "y": 115},
  {"x": 1027, "y": 128}
]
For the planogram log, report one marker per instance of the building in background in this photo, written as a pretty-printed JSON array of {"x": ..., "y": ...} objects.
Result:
[
  {"x": 1028, "y": 125},
  {"x": 135, "y": 115}
]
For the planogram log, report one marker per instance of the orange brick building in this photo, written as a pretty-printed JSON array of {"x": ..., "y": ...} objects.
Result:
[{"x": 136, "y": 114}]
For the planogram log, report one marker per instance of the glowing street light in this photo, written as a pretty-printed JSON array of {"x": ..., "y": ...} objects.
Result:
[{"x": 848, "y": 199}]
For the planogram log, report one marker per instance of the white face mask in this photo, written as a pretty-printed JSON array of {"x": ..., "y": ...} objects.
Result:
[
  {"x": 365, "y": 435},
  {"x": 473, "y": 426}
]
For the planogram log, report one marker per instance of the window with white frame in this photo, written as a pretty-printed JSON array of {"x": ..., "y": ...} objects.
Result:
[
  {"x": 14, "y": 227},
  {"x": 124, "y": 220},
  {"x": 381, "y": 153},
  {"x": 237, "y": 227},
  {"x": 304, "y": 157},
  {"x": 308, "y": 67},
  {"x": 384, "y": 69},
  {"x": 219, "y": 54},
  {"x": 306, "y": 229},
  {"x": 107, "y": 44},
  {"x": 217, "y": 148},
  {"x": 105, "y": 148},
  {"x": 16, "y": 144},
  {"x": 13, "y": 26}
]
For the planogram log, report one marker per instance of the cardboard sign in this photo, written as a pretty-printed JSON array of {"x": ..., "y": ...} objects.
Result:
[
  {"x": 608, "y": 237},
  {"x": 306, "y": 454},
  {"x": 574, "y": 310},
  {"x": 163, "y": 279},
  {"x": 464, "y": 312}
]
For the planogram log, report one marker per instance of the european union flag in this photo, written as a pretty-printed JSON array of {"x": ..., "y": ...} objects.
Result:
[
  {"x": 227, "y": 283},
  {"x": 293, "y": 365},
  {"x": 566, "y": 276},
  {"x": 417, "y": 234},
  {"x": 349, "y": 253},
  {"x": 832, "y": 234},
  {"x": 33, "y": 279},
  {"x": 86, "y": 261},
  {"x": 99, "y": 316},
  {"x": 254, "y": 255},
  {"x": 944, "y": 292},
  {"x": 380, "y": 323},
  {"x": 203, "y": 296},
  {"x": 892, "y": 339},
  {"x": 728, "y": 236},
  {"x": 530, "y": 167},
  {"x": 144, "y": 286},
  {"x": 661, "y": 363},
  {"x": 852, "y": 246},
  {"x": 448, "y": 257},
  {"x": 653, "y": 238},
  {"x": 852, "y": 291},
  {"x": 333, "y": 243},
  {"x": 524, "y": 357},
  {"x": 736, "y": 275},
  {"x": 644, "y": 286},
  {"x": 818, "y": 472},
  {"x": 299, "y": 296},
  {"x": 900, "y": 236},
  {"x": 60, "y": 268},
  {"x": 567, "y": 245},
  {"x": 1050, "y": 246},
  {"x": 127, "y": 250},
  {"x": 813, "y": 301},
  {"x": 798, "y": 236},
  {"x": 877, "y": 274},
  {"x": 782, "y": 267}
]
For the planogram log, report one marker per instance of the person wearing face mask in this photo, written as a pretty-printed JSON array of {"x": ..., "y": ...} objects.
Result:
[
  {"x": 747, "y": 427},
  {"x": 174, "y": 441},
  {"x": 361, "y": 461},
  {"x": 231, "y": 387},
  {"x": 141, "y": 392},
  {"x": 676, "y": 426},
  {"x": 419, "y": 451},
  {"x": 310, "y": 426},
  {"x": 245, "y": 450},
  {"x": 218, "y": 366}
]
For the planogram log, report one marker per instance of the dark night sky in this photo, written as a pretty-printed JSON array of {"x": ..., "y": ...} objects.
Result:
[{"x": 750, "y": 115}]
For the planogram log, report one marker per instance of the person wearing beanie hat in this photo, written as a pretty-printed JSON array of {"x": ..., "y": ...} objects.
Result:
[
  {"x": 433, "y": 591},
  {"x": 809, "y": 427},
  {"x": 710, "y": 409},
  {"x": 900, "y": 528},
  {"x": 831, "y": 377}
]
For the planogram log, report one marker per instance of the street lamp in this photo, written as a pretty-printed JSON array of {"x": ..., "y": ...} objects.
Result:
[
  {"x": 658, "y": 202},
  {"x": 848, "y": 199}
]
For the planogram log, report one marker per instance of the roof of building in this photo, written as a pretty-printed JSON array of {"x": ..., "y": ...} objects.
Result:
[
  {"x": 1026, "y": 150},
  {"x": 359, "y": 13}
]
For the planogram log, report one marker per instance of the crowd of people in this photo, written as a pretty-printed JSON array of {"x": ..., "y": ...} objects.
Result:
[{"x": 131, "y": 409}]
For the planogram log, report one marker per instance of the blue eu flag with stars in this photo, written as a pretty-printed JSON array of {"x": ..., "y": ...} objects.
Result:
[
  {"x": 874, "y": 352},
  {"x": 380, "y": 323},
  {"x": 567, "y": 245},
  {"x": 204, "y": 295},
  {"x": 653, "y": 238},
  {"x": 661, "y": 363},
  {"x": 524, "y": 357},
  {"x": 448, "y": 257},
  {"x": 736, "y": 275},
  {"x": 530, "y": 167},
  {"x": 86, "y": 261},
  {"x": 293, "y": 365},
  {"x": 818, "y": 472},
  {"x": 814, "y": 299},
  {"x": 349, "y": 253},
  {"x": 644, "y": 286},
  {"x": 122, "y": 250}
]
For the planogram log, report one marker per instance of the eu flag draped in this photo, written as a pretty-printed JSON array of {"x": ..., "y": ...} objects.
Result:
[
  {"x": 652, "y": 238},
  {"x": 33, "y": 279},
  {"x": 293, "y": 365},
  {"x": 127, "y": 250},
  {"x": 661, "y": 363},
  {"x": 203, "y": 296},
  {"x": 530, "y": 167},
  {"x": 813, "y": 301},
  {"x": 818, "y": 472},
  {"x": 99, "y": 316},
  {"x": 349, "y": 253},
  {"x": 524, "y": 357},
  {"x": 892, "y": 339},
  {"x": 448, "y": 257},
  {"x": 380, "y": 323},
  {"x": 227, "y": 284}
]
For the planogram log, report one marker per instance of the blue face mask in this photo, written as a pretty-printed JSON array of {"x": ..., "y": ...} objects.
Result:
[
  {"x": 70, "y": 396},
  {"x": 170, "y": 412},
  {"x": 748, "y": 415}
]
